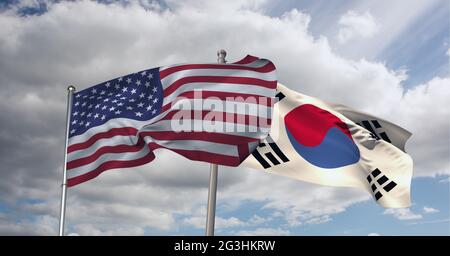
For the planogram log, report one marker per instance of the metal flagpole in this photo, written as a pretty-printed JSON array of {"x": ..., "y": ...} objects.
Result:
[
  {"x": 211, "y": 210},
  {"x": 70, "y": 90}
]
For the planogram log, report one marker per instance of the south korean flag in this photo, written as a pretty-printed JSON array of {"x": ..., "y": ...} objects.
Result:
[{"x": 333, "y": 145}]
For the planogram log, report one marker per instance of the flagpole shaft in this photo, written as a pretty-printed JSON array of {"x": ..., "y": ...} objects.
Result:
[
  {"x": 214, "y": 171},
  {"x": 70, "y": 91}
]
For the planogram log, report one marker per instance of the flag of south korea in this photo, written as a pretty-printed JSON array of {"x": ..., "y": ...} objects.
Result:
[{"x": 333, "y": 145}]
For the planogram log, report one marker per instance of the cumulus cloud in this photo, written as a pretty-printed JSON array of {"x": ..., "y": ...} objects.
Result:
[
  {"x": 427, "y": 210},
  {"x": 41, "y": 55},
  {"x": 353, "y": 24},
  {"x": 403, "y": 214}
]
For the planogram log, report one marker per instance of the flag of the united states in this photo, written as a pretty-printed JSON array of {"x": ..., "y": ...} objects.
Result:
[{"x": 119, "y": 123}]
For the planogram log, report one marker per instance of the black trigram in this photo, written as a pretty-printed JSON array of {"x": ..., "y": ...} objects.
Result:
[
  {"x": 376, "y": 125},
  {"x": 376, "y": 177},
  {"x": 268, "y": 158},
  {"x": 279, "y": 97}
]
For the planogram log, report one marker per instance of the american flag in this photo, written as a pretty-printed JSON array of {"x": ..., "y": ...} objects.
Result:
[{"x": 119, "y": 123}]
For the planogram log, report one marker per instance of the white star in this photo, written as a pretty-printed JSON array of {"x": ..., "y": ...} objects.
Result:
[
  {"x": 102, "y": 92},
  {"x": 74, "y": 122},
  {"x": 94, "y": 91},
  {"x": 73, "y": 131},
  {"x": 122, "y": 98},
  {"x": 138, "y": 82},
  {"x": 118, "y": 95},
  {"x": 118, "y": 112},
  {"x": 155, "y": 100},
  {"x": 120, "y": 79},
  {"x": 142, "y": 95},
  {"x": 114, "y": 101},
  {"x": 82, "y": 114},
  {"x": 149, "y": 107},
  {"x": 103, "y": 117},
  {"x": 131, "y": 100},
  {"x": 92, "y": 97},
  {"x": 89, "y": 115},
  {"x": 150, "y": 97},
  {"x": 76, "y": 113},
  {"x": 117, "y": 86},
  {"x": 95, "y": 116},
  {"x": 108, "y": 84},
  {"x": 128, "y": 80},
  {"x": 85, "y": 96},
  {"x": 140, "y": 105},
  {"x": 77, "y": 103},
  {"x": 143, "y": 73},
  {"x": 105, "y": 100},
  {"x": 84, "y": 104},
  {"x": 129, "y": 108},
  {"x": 110, "y": 94},
  {"x": 154, "y": 111},
  {"x": 139, "y": 114},
  {"x": 78, "y": 96},
  {"x": 90, "y": 106},
  {"x": 97, "y": 106},
  {"x": 99, "y": 97},
  {"x": 133, "y": 91},
  {"x": 150, "y": 76},
  {"x": 111, "y": 108},
  {"x": 81, "y": 123},
  {"x": 154, "y": 89},
  {"x": 124, "y": 89},
  {"x": 104, "y": 107},
  {"x": 147, "y": 84},
  {"x": 120, "y": 104},
  {"x": 87, "y": 124}
]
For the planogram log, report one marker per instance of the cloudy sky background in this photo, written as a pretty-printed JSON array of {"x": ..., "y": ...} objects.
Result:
[{"x": 389, "y": 58}]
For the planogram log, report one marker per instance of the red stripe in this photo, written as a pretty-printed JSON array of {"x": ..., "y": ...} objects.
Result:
[
  {"x": 110, "y": 165},
  {"x": 218, "y": 116},
  {"x": 108, "y": 134},
  {"x": 243, "y": 152},
  {"x": 201, "y": 136},
  {"x": 248, "y": 59},
  {"x": 203, "y": 156},
  {"x": 219, "y": 79},
  {"x": 263, "y": 69},
  {"x": 105, "y": 150},
  {"x": 227, "y": 96}
]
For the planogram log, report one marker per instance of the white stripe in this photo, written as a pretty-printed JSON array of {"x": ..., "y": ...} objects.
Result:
[
  {"x": 105, "y": 158},
  {"x": 221, "y": 87},
  {"x": 113, "y": 141},
  {"x": 242, "y": 108},
  {"x": 199, "y": 126},
  {"x": 168, "y": 80},
  {"x": 206, "y": 146}
]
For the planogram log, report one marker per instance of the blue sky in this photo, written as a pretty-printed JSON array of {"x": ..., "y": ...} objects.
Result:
[{"x": 349, "y": 52}]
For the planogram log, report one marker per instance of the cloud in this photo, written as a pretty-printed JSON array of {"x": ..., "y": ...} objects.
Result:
[
  {"x": 403, "y": 214},
  {"x": 427, "y": 210},
  {"x": 373, "y": 234},
  {"x": 353, "y": 24},
  {"x": 264, "y": 232},
  {"x": 41, "y": 55}
]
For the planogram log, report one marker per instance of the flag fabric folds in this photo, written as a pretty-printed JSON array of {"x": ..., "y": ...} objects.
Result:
[
  {"x": 331, "y": 144},
  {"x": 195, "y": 110}
]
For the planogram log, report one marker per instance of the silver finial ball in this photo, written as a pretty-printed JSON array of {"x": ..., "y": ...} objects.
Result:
[
  {"x": 71, "y": 88},
  {"x": 221, "y": 52}
]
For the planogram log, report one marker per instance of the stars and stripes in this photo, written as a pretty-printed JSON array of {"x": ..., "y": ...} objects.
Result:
[{"x": 119, "y": 123}]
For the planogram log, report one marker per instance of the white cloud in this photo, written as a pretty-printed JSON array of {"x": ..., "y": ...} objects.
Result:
[
  {"x": 41, "y": 55},
  {"x": 448, "y": 52},
  {"x": 403, "y": 214},
  {"x": 353, "y": 24},
  {"x": 264, "y": 232},
  {"x": 427, "y": 210},
  {"x": 373, "y": 234}
]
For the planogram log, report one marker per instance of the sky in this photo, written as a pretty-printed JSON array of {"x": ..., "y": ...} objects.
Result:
[{"x": 388, "y": 58}]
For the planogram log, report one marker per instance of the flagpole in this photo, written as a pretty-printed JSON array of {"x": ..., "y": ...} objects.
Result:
[
  {"x": 214, "y": 171},
  {"x": 70, "y": 90}
]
